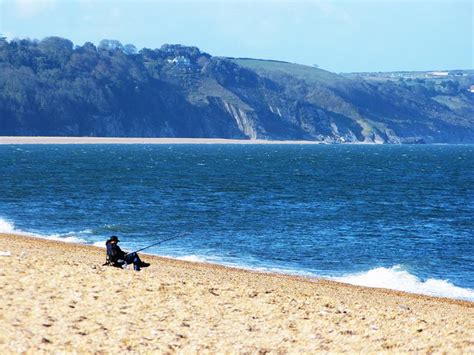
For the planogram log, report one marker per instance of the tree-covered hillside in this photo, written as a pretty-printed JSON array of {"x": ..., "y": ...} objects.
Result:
[{"x": 52, "y": 87}]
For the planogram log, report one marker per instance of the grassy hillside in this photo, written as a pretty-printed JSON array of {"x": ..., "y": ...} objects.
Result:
[{"x": 311, "y": 75}]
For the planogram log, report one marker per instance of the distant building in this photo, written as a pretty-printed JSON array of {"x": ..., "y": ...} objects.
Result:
[
  {"x": 180, "y": 60},
  {"x": 439, "y": 73}
]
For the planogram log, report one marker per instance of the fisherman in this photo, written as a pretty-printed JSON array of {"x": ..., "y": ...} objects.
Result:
[{"x": 117, "y": 257}]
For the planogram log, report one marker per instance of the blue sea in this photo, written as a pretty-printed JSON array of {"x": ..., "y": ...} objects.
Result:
[{"x": 399, "y": 217}]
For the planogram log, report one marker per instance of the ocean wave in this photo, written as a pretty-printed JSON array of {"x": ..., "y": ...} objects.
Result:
[
  {"x": 394, "y": 278},
  {"x": 397, "y": 278},
  {"x": 8, "y": 227}
]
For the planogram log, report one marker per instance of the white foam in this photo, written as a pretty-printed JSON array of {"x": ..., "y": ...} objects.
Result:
[
  {"x": 62, "y": 238},
  {"x": 212, "y": 259},
  {"x": 396, "y": 278},
  {"x": 6, "y": 227},
  {"x": 193, "y": 258},
  {"x": 85, "y": 231},
  {"x": 9, "y": 227}
]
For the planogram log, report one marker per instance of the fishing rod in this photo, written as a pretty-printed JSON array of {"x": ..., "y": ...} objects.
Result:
[{"x": 161, "y": 241}]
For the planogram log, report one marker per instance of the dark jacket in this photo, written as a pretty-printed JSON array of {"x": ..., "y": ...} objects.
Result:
[{"x": 114, "y": 253}]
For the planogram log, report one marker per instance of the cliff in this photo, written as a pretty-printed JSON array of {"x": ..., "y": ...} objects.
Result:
[{"x": 52, "y": 88}]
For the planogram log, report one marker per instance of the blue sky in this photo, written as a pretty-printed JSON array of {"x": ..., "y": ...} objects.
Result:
[{"x": 339, "y": 35}]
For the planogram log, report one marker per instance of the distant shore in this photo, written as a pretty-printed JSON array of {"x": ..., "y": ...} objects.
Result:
[
  {"x": 57, "y": 297},
  {"x": 113, "y": 140}
]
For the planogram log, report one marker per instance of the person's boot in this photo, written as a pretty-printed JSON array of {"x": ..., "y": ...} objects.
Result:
[{"x": 144, "y": 264}]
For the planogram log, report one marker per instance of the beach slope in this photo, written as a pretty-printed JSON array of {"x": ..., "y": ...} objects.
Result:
[{"x": 58, "y": 297}]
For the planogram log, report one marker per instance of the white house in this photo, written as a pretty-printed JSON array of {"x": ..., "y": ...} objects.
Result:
[
  {"x": 180, "y": 60},
  {"x": 439, "y": 73}
]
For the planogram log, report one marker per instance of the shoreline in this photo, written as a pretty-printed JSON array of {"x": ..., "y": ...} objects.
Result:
[
  {"x": 57, "y": 297},
  {"x": 210, "y": 265},
  {"x": 117, "y": 140},
  {"x": 29, "y": 140}
]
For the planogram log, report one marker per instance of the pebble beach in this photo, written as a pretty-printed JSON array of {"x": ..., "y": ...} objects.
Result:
[{"x": 57, "y": 297}]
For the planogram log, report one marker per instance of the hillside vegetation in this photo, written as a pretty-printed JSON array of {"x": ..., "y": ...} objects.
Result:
[{"x": 52, "y": 87}]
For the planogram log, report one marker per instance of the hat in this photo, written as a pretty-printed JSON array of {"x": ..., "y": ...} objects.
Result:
[{"x": 114, "y": 238}]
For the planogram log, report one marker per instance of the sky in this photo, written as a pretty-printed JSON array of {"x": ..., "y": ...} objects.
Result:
[{"x": 338, "y": 35}]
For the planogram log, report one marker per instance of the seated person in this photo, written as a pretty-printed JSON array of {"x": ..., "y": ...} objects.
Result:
[{"x": 117, "y": 257}]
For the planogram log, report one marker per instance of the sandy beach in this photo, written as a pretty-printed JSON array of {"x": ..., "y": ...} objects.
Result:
[
  {"x": 111, "y": 140},
  {"x": 57, "y": 296}
]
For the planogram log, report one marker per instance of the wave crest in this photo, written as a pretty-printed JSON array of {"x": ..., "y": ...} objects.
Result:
[
  {"x": 8, "y": 227},
  {"x": 397, "y": 278},
  {"x": 193, "y": 258}
]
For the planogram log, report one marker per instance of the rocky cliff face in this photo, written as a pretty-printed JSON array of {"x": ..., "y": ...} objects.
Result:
[{"x": 51, "y": 88}]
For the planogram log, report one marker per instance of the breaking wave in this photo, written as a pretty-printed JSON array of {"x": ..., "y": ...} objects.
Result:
[
  {"x": 8, "y": 227},
  {"x": 397, "y": 278},
  {"x": 193, "y": 258},
  {"x": 394, "y": 278}
]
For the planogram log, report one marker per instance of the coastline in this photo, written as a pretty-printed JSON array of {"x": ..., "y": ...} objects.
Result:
[
  {"x": 26, "y": 140},
  {"x": 113, "y": 140},
  {"x": 182, "y": 306}
]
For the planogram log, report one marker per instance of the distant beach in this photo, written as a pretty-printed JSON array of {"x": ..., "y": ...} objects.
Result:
[
  {"x": 112, "y": 140},
  {"x": 57, "y": 296}
]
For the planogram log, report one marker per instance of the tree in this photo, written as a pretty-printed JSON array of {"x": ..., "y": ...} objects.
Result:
[
  {"x": 58, "y": 50},
  {"x": 3, "y": 41},
  {"x": 56, "y": 43},
  {"x": 87, "y": 47},
  {"x": 110, "y": 45},
  {"x": 130, "y": 49}
]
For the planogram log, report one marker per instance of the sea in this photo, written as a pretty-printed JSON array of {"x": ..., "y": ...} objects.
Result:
[{"x": 391, "y": 216}]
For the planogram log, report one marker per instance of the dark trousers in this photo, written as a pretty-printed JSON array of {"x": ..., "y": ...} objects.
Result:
[{"x": 133, "y": 258}]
